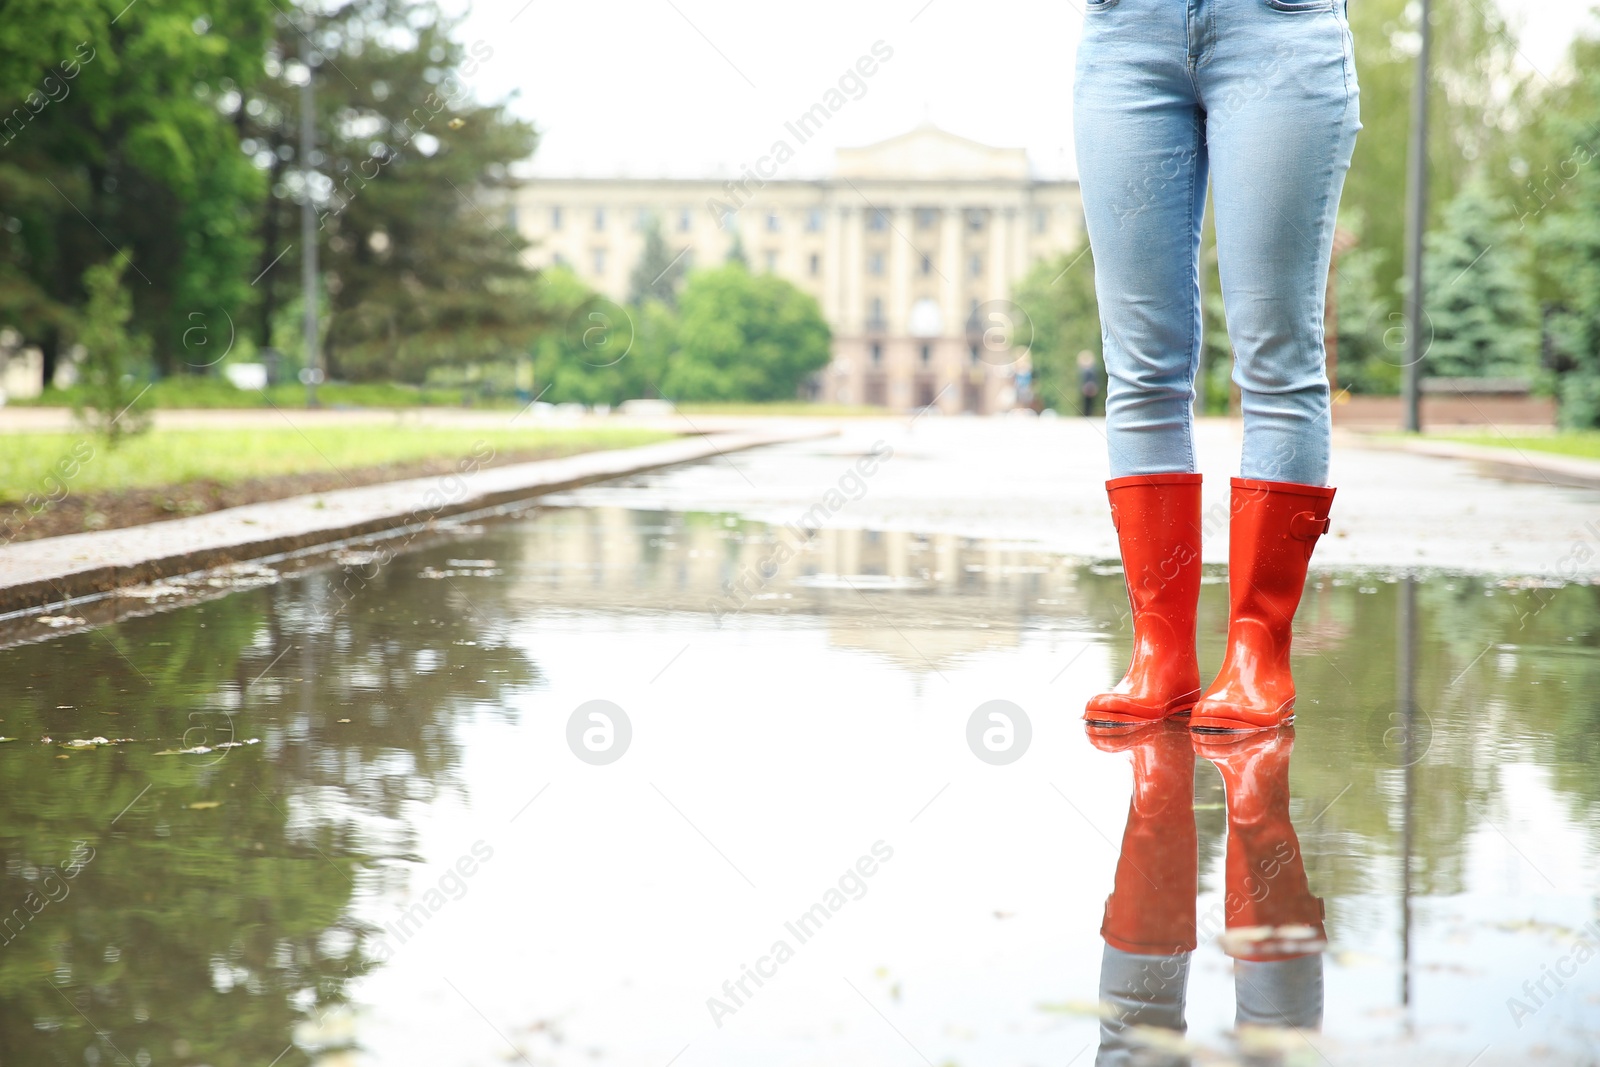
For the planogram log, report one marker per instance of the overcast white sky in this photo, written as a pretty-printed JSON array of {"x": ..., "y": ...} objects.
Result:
[{"x": 686, "y": 88}]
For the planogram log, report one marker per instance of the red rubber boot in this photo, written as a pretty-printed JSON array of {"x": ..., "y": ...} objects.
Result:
[
  {"x": 1269, "y": 911},
  {"x": 1150, "y": 911},
  {"x": 1157, "y": 517},
  {"x": 1275, "y": 526}
]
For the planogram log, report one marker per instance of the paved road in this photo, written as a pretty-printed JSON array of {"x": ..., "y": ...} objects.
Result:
[{"x": 1041, "y": 481}]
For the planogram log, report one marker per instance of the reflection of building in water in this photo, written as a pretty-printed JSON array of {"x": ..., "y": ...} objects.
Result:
[
  {"x": 911, "y": 250},
  {"x": 954, "y": 595}
]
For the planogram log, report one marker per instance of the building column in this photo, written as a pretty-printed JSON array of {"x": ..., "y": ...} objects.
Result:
[
  {"x": 852, "y": 316},
  {"x": 954, "y": 269},
  {"x": 900, "y": 252},
  {"x": 832, "y": 262}
]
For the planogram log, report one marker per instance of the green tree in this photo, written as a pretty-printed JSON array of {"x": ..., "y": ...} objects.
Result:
[
  {"x": 1472, "y": 55},
  {"x": 1365, "y": 326},
  {"x": 658, "y": 272},
  {"x": 598, "y": 351},
  {"x": 119, "y": 135},
  {"x": 1059, "y": 299},
  {"x": 113, "y": 360},
  {"x": 1480, "y": 306},
  {"x": 744, "y": 336},
  {"x": 1563, "y": 214},
  {"x": 421, "y": 265}
]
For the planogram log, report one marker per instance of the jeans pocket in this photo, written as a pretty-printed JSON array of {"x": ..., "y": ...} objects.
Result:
[
  {"x": 1093, "y": 6},
  {"x": 1296, "y": 7}
]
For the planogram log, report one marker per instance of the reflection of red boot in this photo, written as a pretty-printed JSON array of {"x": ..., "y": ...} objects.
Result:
[
  {"x": 1275, "y": 526},
  {"x": 1269, "y": 911},
  {"x": 1151, "y": 908},
  {"x": 1157, "y": 517}
]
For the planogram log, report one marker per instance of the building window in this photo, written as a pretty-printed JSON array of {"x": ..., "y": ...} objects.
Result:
[
  {"x": 816, "y": 264},
  {"x": 927, "y": 354},
  {"x": 1041, "y": 220},
  {"x": 511, "y": 217},
  {"x": 927, "y": 264},
  {"x": 772, "y": 261},
  {"x": 974, "y": 355},
  {"x": 599, "y": 218},
  {"x": 877, "y": 220},
  {"x": 877, "y": 354},
  {"x": 599, "y": 261},
  {"x": 814, "y": 220},
  {"x": 773, "y": 223},
  {"x": 875, "y": 314},
  {"x": 875, "y": 263},
  {"x": 685, "y": 220},
  {"x": 975, "y": 218},
  {"x": 926, "y": 217},
  {"x": 644, "y": 219},
  {"x": 555, "y": 218},
  {"x": 558, "y": 260},
  {"x": 975, "y": 266}
]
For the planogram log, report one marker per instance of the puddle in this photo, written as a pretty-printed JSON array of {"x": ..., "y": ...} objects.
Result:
[{"x": 558, "y": 791}]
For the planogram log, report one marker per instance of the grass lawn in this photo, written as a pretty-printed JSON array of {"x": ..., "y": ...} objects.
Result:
[
  {"x": 184, "y": 391},
  {"x": 37, "y": 463},
  {"x": 780, "y": 407},
  {"x": 1584, "y": 444}
]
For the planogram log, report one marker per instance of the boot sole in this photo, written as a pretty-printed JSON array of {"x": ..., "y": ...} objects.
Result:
[
  {"x": 1241, "y": 728},
  {"x": 1177, "y": 708}
]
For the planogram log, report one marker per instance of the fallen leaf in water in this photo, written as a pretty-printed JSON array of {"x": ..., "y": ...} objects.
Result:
[{"x": 205, "y": 805}]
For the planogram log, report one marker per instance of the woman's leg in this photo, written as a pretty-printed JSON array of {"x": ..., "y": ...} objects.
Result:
[
  {"x": 1142, "y": 171},
  {"x": 1282, "y": 112}
]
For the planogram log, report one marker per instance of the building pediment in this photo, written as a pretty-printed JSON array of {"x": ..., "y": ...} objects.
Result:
[{"x": 929, "y": 153}]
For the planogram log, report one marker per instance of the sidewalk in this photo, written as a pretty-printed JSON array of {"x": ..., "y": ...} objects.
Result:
[
  {"x": 57, "y": 569},
  {"x": 1515, "y": 463}
]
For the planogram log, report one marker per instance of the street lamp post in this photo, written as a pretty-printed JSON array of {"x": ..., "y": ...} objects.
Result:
[
  {"x": 308, "y": 239},
  {"x": 1417, "y": 194}
]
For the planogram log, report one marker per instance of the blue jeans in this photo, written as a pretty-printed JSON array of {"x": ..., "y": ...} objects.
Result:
[{"x": 1260, "y": 94}]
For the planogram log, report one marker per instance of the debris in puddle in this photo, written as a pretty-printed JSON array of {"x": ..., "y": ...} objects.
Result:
[
  {"x": 462, "y": 572},
  {"x": 58, "y": 621},
  {"x": 201, "y": 750},
  {"x": 205, "y": 805},
  {"x": 95, "y": 742}
]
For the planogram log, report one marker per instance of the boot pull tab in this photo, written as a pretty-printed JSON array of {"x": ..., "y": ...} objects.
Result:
[{"x": 1307, "y": 527}]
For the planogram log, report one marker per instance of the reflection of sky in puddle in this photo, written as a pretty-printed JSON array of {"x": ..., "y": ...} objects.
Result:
[{"x": 579, "y": 913}]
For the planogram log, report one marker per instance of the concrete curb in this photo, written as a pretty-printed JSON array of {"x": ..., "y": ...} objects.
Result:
[
  {"x": 1515, "y": 464},
  {"x": 54, "y": 570}
]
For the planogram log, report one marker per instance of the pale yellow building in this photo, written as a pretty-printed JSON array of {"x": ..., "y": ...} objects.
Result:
[{"x": 912, "y": 249}]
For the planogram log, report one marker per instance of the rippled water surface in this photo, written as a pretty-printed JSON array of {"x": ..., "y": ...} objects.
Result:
[{"x": 364, "y": 813}]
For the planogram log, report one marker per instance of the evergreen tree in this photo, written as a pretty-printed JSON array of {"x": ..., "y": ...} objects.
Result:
[
  {"x": 113, "y": 358},
  {"x": 1479, "y": 303},
  {"x": 1369, "y": 355},
  {"x": 421, "y": 265},
  {"x": 658, "y": 271}
]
